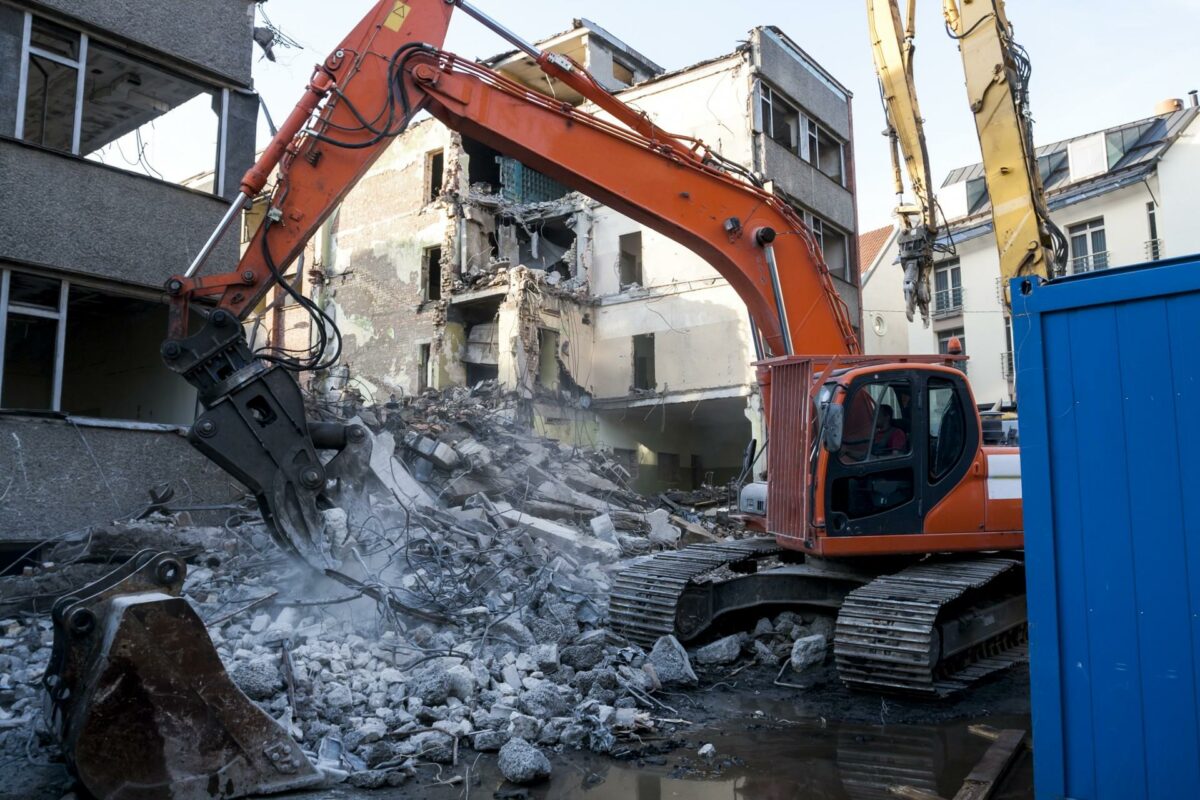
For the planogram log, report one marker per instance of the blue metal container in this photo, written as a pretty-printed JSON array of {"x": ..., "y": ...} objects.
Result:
[{"x": 1108, "y": 381}]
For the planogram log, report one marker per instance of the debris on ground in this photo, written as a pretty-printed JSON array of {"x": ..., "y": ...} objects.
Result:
[{"x": 468, "y": 611}]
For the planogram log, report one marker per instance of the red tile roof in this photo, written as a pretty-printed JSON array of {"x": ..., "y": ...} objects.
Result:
[{"x": 869, "y": 245}]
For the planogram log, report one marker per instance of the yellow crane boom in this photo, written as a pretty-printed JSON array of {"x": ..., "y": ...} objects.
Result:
[{"x": 997, "y": 72}]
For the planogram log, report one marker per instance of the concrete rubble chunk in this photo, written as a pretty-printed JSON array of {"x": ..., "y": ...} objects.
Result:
[
  {"x": 662, "y": 532},
  {"x": 259, "y": 679},
  {"x": 582, "y": 656},
  {"x": 568, "y": 540},
  {"x": 808, "y": 651},
  {"x": 561, "y": 493},
  {"x": 394, "y": 475},
  {"x": 523, "y": 763},
  {"x": 764, "y": 653},
  {"x": 432, "y": 687},
  {"x": 723, "y": 651},
  {"x": 442, "y": 455},
  {"x": 543, "y": 702},
  {"x": 604, "y": 529},
  {"x": 671, "y": 662},
  {"x": 433, "y": 746}
]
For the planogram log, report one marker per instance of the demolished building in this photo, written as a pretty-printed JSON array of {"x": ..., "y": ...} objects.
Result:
[{"x": 451, "y": 263}]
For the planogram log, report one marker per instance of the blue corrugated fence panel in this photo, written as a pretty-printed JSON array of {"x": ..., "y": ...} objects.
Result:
[{"x": 1108, "y": 376}]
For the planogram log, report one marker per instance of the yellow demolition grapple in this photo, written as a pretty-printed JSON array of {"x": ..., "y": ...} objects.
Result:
[{"x": 143, "y": 707}]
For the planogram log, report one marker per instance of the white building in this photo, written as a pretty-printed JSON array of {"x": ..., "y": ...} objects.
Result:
[{"x": 1123, "y": 195}]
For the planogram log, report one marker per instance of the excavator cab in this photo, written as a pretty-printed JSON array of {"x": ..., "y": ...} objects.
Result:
[{"x": 906, "y": 442}]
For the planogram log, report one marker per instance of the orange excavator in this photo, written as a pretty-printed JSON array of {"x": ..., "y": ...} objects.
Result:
[{"x": 885, "y": 506}]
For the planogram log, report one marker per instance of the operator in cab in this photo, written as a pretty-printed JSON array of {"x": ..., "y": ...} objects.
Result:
[{"x": 889, "y": 438}]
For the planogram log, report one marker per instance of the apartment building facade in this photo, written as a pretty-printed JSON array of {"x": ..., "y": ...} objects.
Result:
[
  {"x": 1123, "y": 195},
  {"x": 105, "y": 110},
  {"x": 101, "y": 122},
  {"x": 451, "y": 263}
]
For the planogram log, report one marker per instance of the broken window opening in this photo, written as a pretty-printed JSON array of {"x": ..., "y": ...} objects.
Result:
[
  {"x": 622, "y": 73},
  {"x": 483, "y": 165},
  {"x": 32, "y": 310},
  {"x": 643, "y": 363},
  {"x": 92, "y": 100},
  {"x": 29, "y": 344},
  {"x": 435, "y": 168},
  {"x": 481, "y": 354},
  {"x": 424, "y": 353},
  {"x": 431, "y": 272},
  {"x": 629, "y": 246},
  {"x": 825, "y": 152},
  {"x": 548, "y": 367},
  {"x": 780, "y": 119},
  {"x": 52, "y": 85},
  {"x": 141, "y": 118},
  {"x": 116, "y": 371}
]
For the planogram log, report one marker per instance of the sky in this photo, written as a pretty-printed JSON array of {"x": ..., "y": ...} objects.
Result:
[{"x": 1096, "y": 63}]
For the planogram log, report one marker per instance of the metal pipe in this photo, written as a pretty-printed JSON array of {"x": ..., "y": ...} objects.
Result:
[
  {"x": 499, "y": 29},
  {"x": 235, "y": 208},
  {"x": 777, "y": 289},
  {"x": 754, "y": 336}
]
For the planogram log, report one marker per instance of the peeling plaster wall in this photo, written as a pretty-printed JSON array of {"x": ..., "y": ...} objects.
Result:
[
  {"x": 701, "y": 330},
  {"x": 374, "y": 275}
]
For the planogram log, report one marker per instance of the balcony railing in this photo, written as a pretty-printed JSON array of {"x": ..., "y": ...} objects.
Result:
[
  {"x": 1154, "y": 249},
  {"x": 948, "y": 302},
  {"x": 1006, "y": 364},
  {"x": 1089, "y": 262}
]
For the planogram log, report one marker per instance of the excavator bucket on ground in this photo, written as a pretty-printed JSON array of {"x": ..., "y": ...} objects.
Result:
[{"x": 143, "y": 707}]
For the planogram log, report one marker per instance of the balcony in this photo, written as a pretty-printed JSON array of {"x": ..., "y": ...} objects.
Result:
[
  {"x": 1154, "y": 249},
  {"x": 1089, "y": 262},
  {"x": 948, "y": 302}
]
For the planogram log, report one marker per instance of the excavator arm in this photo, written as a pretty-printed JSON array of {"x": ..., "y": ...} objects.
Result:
[
  {"x": 892, "y": 44},
  {"x": 997, "y": 78},
  {"x": 386, "y": 71}
]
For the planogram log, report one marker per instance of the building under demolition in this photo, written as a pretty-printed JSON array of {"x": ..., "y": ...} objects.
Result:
[{"x": 450, "y": 263}]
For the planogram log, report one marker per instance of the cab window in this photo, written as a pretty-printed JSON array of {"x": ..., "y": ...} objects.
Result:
[
  {"x": 878, "y": 422},
  {"x": 947, "y": 428}
]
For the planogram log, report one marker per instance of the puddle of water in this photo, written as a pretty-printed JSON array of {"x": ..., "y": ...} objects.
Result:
[{"x": 762, "y": 760}]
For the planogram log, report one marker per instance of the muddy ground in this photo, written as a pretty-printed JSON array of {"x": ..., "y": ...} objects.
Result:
[{"x": 822, "y": 742}]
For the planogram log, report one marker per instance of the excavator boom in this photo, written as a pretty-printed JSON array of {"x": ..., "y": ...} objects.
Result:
[{"x": 363, "y": 95}]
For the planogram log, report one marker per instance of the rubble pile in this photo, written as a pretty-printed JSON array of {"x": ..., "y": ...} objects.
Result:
[
  {"x": 470, "y": 451},
  {"x": 467, "y": 609}
]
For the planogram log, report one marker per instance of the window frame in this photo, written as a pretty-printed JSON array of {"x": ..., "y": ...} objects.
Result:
[
  {"x": 1087, "y": 229},
  {"x": 952, "y": 269},
  {"x": 60, "y": 315},
  {"x": 28, "y": 49}
]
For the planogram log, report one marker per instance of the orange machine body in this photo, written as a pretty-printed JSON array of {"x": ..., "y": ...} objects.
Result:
[{"x": 961, "y": 497}]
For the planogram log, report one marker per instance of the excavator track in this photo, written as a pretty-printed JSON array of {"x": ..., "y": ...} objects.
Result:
[
  {"x": 892, "y": 634},
  {"x": 643, "y": 603}
]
